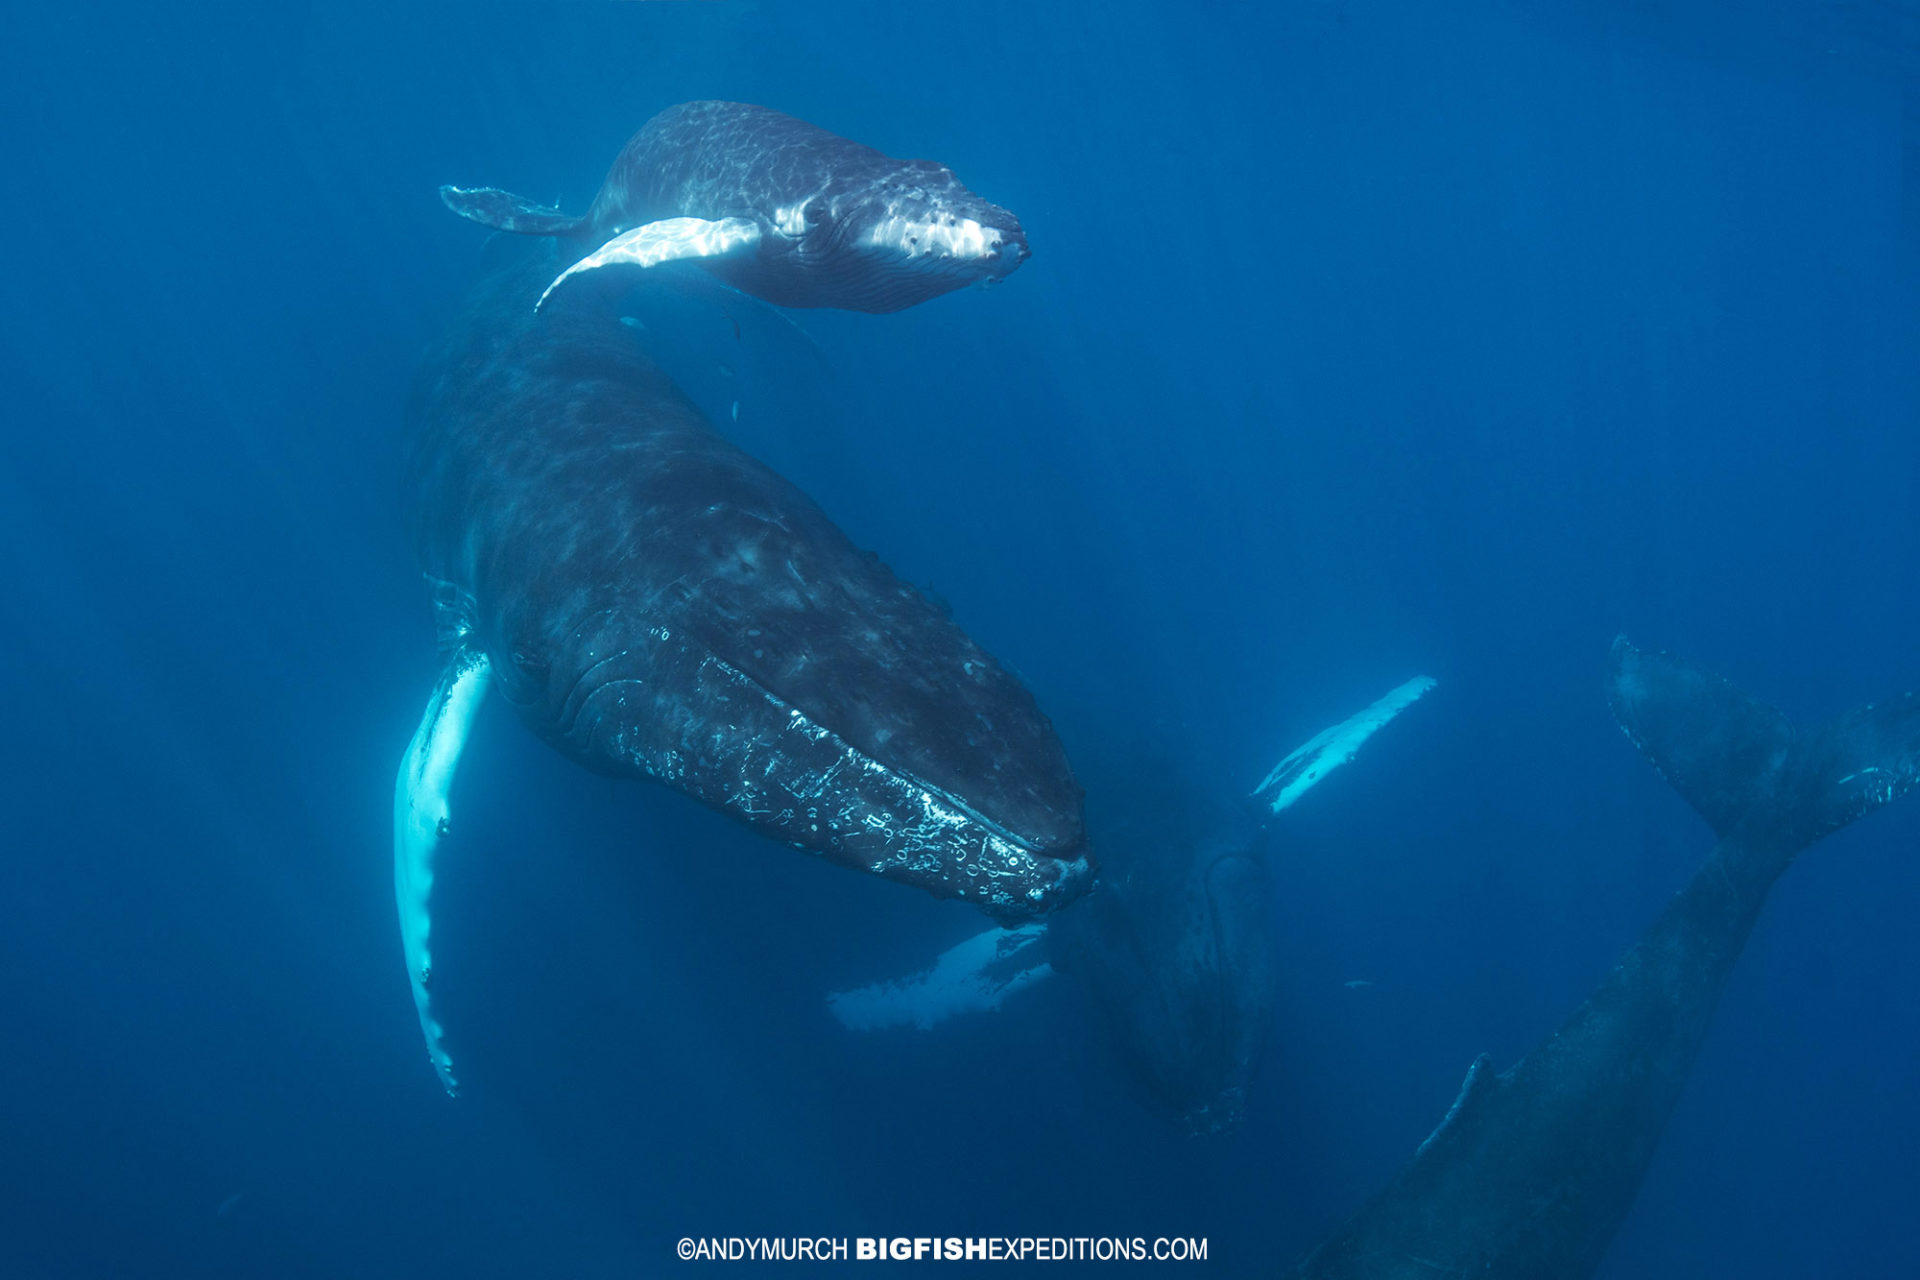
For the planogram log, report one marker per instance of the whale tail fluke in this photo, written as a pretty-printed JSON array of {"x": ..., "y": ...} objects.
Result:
[
  {"x": 1737, "y": 760},
  {"x": 505, "y": 211}
]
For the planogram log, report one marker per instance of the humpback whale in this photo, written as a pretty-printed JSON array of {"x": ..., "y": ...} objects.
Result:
[
  {"x": 1176, "y": 949},
  {"x": 777, "y": 208},
  {"x": 656, "y": 604},
  {"x": 1533, "y": 1169}
]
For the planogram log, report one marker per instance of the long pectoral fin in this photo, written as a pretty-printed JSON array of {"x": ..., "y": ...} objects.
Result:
[
  {"x": 420, "y": 823},
  {"x": 972, "y": 977},
  {"x": 1327, "y": 750},
  {"x": 668, "y": 240}
]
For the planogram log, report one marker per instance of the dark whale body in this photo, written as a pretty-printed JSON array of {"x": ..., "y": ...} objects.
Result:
[
  {"x": 1533, "y": 1169},
  {"x": 656, "y": 604},
  {"x": 777, "y": 208},
  {"x": 1176, "y": 950}
]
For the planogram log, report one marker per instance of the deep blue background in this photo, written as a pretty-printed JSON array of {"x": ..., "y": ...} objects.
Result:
[{"x": 1356, "y": 342}]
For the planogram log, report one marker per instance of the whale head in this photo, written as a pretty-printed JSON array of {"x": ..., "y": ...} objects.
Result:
[
  {"x": 744, "y": 652},
  {"x": 954, "y": 786},
  {"x": 887, "y": 239}
]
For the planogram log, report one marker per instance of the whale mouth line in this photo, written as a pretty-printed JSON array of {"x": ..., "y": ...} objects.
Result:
[
  {"x": 930, "y": 791},
  {"x": 1007, "y": 875},
  {"x": 866, "y": 279}
]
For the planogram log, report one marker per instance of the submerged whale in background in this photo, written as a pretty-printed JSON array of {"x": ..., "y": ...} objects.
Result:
[
  {"x": 777, "y": 208},
  {"x": 1176, "y": 948},
  {"x": 1534, "y": 1168},
  {"x": 656, "y": 604}
]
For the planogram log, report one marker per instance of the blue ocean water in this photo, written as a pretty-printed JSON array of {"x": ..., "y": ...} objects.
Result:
[{"x": 1359, "y": 340}]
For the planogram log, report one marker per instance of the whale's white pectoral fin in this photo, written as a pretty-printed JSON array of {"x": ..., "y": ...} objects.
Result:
[
  {"x": 420, "y": 823},
  {"x": 973, "y": 977},
  {"x": 1327, "y": 750},
  {"x": 667, "y": 240}
]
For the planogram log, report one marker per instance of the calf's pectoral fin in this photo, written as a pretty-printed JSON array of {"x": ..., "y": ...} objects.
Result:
[
  {"x": 667, "y": 240},
  {"x": 420, "y": 823}
]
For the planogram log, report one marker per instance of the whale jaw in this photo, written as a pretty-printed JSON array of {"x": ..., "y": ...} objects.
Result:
[{"x": 695, "y": 721}]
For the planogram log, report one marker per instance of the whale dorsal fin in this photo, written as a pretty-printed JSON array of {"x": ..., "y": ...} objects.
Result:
[
  {"x": 1480, "y": 1080},
  {"x": 667, "y": 240},
  {"x": 505, "y": 211}
]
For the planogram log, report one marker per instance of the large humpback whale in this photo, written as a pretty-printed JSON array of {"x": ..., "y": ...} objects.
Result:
[
  {"x": 1176, "y": 950},
  {"x": 777, "y": 208},
  {"x": 656, "y": 604},
  {"x": 1534, "y": 1168}
]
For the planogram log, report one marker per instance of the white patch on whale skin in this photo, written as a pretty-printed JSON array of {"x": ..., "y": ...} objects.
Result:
[
  {"x": 963, "y": 239},
  {"x": 791, "y": 219},
  {"x": 420, "y": 819},
  {"x": 1327, "y": 750},
  {"x": 958, "y": 982}
]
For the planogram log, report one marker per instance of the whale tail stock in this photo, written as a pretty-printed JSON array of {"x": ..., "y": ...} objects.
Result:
[
  {"x": 1534, "y": 1168},
  {"x": 1745, "y": 768},
  {"x": 505, "y": 211}
]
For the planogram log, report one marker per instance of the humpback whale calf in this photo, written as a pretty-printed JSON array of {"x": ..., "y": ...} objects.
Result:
[
  {"x": 656, "y": 604},
  {"x": 777, "y": 208},
  {"x": 1534, "y": 1168},
  {"x": 1176, "y": 949}
]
